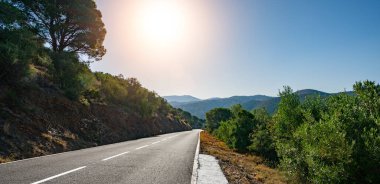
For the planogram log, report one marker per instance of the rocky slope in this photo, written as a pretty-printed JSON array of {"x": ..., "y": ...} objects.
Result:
[{"x": 39, "y": 120}]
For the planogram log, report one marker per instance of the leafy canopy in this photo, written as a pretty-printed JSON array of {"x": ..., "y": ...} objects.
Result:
[{"x": 66, "y": 25}]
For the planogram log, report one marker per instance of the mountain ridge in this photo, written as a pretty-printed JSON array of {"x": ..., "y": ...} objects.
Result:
[
  {"x": 200, "y": 107},
  {"x": 180, "y": 98}
]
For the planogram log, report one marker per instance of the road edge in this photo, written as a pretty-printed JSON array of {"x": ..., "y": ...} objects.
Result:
[{"x": 194, "y": 176}]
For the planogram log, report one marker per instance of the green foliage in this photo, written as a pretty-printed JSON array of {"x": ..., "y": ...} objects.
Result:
[
  {"x": 111, "y": 89},
  {"x": 316, "y": 140},
  {"x": 288, "y": 116},
  {"x": 325, "y": 151},
  {"x": 261, "y": 138},
  {"x": 236, "y": 130},
  {"x": 67, "y": 25},
  {"x": 10, "y": 16},
  {"x": 72, "y": 76},
  {"x": 194, "y": 121},
  {"x": 18, "y": 48},
  {"x": 215, "y": 116},
  {"x": 334, "y": 140}
]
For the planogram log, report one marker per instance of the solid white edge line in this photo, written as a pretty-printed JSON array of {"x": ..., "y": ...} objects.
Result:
[
  {"x": 194, "y": 176},
  {"x": 58, "y": 175},
  {"x": 142, "y": 147},
  {"x": 115, "y": 156}
]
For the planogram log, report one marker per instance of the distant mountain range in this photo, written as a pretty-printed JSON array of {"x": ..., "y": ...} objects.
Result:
[
  {"x": 199, "y": 107},
  {"x": 176, "y": 100}
]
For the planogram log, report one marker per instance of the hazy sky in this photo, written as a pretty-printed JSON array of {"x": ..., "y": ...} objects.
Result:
[{"x": 209, "y": 48}]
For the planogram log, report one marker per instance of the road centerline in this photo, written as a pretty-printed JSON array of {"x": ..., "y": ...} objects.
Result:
[
  {"x": 115, "y": 156},
  {"x": 58, "y": 175}
]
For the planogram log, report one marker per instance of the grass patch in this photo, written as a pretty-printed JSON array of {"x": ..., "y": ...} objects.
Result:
[{"x": 239, "y": 168}]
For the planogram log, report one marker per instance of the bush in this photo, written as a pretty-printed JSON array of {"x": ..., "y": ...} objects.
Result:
[
  {"x": 72, "y": 76},
  {"x": 17, "y": 49}
]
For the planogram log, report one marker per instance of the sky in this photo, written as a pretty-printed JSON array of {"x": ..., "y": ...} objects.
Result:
[{"x": 222, "y": 48}]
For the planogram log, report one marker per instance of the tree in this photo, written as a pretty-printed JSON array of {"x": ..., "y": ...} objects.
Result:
[
  {"x": 66, "y": 25},
  {"x": 261, "y": 138},
  {"x": 236, "y": 130},
  {"x": 215, "y": 116},
  {"x": 288, "y": 116},
  {"x": 245, "y": 123},
  {"x": 10, "y": 16},
  {"x": 287, "y": 119}
]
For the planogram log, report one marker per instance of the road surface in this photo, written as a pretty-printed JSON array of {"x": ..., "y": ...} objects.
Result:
[{"x": 163, "y": 159}]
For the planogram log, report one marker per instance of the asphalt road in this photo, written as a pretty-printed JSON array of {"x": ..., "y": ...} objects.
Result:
[{"x": 163, "y": 159}]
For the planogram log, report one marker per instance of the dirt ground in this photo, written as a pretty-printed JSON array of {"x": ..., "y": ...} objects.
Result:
[{"x": 239, "y": 168}]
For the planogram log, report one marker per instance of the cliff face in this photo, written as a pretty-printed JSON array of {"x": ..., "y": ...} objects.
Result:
[{"x": 40, "y": 121}]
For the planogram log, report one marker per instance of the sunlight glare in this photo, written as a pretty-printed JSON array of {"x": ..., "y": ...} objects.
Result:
[{"x": 162, "y": 23}]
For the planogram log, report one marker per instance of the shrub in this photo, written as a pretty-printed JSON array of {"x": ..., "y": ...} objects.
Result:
[
  {"x": 17, "y": 49},
  {"x": 72, "y": 76}
]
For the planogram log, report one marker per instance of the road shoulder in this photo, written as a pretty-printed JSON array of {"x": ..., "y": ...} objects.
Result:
[{"x": 237, "y": 167}]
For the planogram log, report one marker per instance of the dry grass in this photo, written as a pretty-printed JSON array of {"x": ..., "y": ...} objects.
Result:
[
  {"x": 47, "y": 136},
  {"x": 61, "y": 142},
  {"x": 56, "y": 140},
  {"x": 239, "y": 168},
  {"x": 5, "y": 159},
  {"x": 69, "y": 135}
]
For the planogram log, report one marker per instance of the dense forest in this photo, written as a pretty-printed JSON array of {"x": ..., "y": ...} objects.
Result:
[
  {"x": 48, "y": 92},
  {"x": 316, "y": 140}
]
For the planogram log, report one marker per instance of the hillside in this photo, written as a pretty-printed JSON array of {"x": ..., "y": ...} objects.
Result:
[
  {"x": 199, "y": 108},
  {"x": 38, "y": 119}
]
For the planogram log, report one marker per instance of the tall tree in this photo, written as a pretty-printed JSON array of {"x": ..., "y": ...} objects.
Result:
[
  {"x": 66, "y": 25},
  {"x": 215, "y": 116}
]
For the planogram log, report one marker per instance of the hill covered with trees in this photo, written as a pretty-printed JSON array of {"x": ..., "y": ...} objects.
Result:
[
  {"x": 50, "y": 101},
  {"x": 199, "y": 108},
  {"x": 321, "y": 139}
]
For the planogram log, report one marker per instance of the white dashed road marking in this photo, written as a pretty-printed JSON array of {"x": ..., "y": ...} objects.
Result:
[
  {"x": 58, "y": 175},
  {"x": 155, "y": 142},
  {"x": 142, "y": 147},
  {"x": 115, "y": 156}
]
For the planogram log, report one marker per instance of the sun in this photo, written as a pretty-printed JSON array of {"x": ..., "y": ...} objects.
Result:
[
  {"x": 161, "y": 23},
  {"x": 164, "y": 32}
]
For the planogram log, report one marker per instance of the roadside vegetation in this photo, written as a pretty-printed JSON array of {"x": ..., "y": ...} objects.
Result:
[
  {"x": 313, "y": 140},
  {"x": 237, "y": 167}
]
